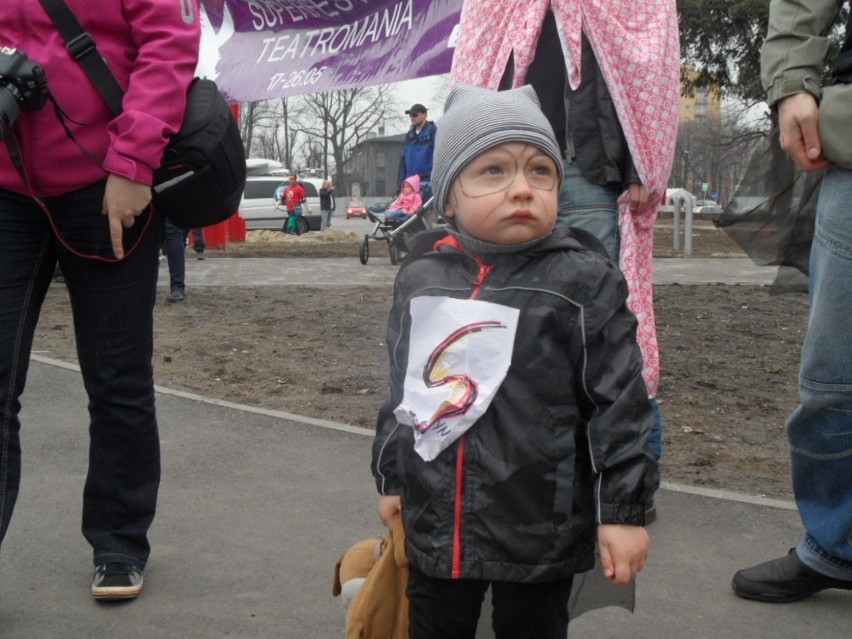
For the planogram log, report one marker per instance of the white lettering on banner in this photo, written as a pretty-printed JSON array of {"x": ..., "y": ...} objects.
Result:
[
  {"x": 303, "y": 9},
  {"x": 269, "y": 14},
  {"x": 295, "y": 79},
  {"x": 385, "y": 24},
  {"x": 264, "y": 15}
]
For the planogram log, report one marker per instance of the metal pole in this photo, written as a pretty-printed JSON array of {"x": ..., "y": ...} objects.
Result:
[
  {"x": 677, "y": 203},
  {"x": 687, "y": 230}
]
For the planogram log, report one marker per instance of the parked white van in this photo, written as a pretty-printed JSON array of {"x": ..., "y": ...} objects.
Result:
[{"x": 258, "y": 207}]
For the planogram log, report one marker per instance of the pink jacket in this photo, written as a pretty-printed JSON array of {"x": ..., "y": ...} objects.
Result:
[
  {"x": 408, "y": 203},
  {"x": 636, "y": 46},
  {"x": 152, "y": 49}
]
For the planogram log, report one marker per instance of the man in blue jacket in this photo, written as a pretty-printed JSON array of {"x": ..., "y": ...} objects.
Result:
[{"x": 417, "y": 152}]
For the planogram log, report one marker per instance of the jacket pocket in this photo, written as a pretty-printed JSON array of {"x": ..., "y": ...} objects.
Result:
[{"x": 835, "y": 111}]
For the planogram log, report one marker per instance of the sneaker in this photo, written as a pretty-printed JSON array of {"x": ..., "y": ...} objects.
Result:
[
  {"x": 116, "y": 581},
  {"x": 176, "y": 295},
  {"x": 201, "y": 256}
]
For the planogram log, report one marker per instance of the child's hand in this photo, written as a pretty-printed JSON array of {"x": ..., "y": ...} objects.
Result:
[
  {"x": 624, "y": 550},
  {"x": 389, "y": 509}
]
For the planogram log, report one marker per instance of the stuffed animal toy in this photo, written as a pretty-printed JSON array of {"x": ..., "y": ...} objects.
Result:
[
  {"x": 373, "y": 574},
  {"x": 352, "y": 568}
]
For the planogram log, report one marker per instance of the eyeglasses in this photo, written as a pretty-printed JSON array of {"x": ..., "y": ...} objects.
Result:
[
  {"x": 492, "y": 173},
  {"x": 415, "y": 115}
]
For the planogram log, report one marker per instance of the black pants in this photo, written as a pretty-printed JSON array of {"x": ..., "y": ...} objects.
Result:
[{"x": 450, "y": 608}]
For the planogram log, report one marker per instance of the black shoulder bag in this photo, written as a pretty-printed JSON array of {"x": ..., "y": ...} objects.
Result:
[{"x": 203, "y": 171}]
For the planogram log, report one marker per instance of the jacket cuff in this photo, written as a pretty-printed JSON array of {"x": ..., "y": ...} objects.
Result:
[
  {"x": 127, "y": 168},
  {"x": 386, "y": 487},
  {"x": 629, "y": 514},
  {"x": 787, "y": 86}
]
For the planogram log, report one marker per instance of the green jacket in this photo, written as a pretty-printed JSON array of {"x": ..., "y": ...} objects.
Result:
[{"x": 796, "y": 45}]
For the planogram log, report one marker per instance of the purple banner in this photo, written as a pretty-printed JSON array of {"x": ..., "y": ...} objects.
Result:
[{"x": 264, "y": 49}]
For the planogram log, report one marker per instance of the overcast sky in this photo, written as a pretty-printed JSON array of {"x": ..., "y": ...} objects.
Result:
[{"x": 430, "y": 92}]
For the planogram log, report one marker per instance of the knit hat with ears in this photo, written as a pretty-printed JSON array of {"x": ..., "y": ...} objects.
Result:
[{"x": 476, "y": 120}]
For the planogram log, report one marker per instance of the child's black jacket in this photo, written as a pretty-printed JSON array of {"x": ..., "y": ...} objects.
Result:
[{"x": 563, "y": 444}]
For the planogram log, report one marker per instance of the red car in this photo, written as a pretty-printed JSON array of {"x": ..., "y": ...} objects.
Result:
[{"x": 356, "y": 208}]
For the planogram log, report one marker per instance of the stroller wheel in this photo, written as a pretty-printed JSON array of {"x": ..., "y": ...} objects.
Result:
[
  {"x": 364, "y": 250},
  {"x": 394, "y": 251}
]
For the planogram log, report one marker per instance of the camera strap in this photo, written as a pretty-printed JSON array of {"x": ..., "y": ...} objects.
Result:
[{"x": 82, "y": 48}]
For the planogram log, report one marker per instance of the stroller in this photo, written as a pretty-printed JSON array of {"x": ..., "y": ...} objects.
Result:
[{"x": 394, "y": 232}]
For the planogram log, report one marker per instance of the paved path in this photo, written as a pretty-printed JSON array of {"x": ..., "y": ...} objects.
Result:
[
  {"x": 248, "y": 271},
  {"x": 257, "y": 505}
]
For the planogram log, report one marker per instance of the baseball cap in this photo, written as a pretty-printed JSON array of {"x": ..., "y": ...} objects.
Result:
[{"x": 417, "y": 108}]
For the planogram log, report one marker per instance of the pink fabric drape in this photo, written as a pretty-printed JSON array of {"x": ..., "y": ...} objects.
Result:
[{"x": 637, "y": 48}]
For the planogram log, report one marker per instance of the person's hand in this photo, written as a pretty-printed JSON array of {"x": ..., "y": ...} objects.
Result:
[
  {"x": 637, "y": 196},
  {"x": 624, "y": 550},
  {"x": 798, "y": 119},
  {"x": 389, "y": 508},
  {"x": 124, "y": 200}
]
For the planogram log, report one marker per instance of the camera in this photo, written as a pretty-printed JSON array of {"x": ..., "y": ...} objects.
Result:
[{"x": 23, "y": 87}]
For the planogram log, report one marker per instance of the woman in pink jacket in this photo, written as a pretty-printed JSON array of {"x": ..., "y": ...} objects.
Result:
[{"x": 84, "y": 204}]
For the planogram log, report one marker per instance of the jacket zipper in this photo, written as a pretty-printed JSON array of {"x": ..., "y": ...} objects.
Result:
[
  {"x": 484, "y": 270},
  {"x": 456, "y": 571}
]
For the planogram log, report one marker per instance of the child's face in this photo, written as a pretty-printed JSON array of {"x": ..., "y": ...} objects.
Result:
[
  {"x": 506, "y": 195},
  {"x": 407, "y": 188}
]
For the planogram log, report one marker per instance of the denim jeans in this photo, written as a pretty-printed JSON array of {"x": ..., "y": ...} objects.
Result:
[
  {"x": 174, "y": 248},
  {"x": 396, "y": 215},
  {"x": 112, "y": 307},
  {"x": 594, "y": 208},
  {"x": 326, "y": 219},
  {"x": 820, "y": 429},
  {"x": 590, "y": 207},
  {"x": 198, "y": 244}
]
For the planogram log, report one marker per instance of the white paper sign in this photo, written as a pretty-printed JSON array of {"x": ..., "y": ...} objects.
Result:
[{"x": 459, "y": 354}]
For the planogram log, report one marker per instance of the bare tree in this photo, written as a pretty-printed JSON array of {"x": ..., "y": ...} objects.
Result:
[
  {"x": 716, "y": 153},
  {"x": 272, "y": 129},
  {"x": 250, "y": 113},
  {"x": 341, "y": 119},
  {"x": 285, "y": 134}
]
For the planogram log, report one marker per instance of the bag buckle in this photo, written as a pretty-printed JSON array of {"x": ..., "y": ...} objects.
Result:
[{"x": 80, "y": 45}]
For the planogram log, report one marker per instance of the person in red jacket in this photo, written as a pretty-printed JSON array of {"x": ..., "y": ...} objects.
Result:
[
  {"x": 292, "y": 197},
  {"x": 84, "y": 204}
]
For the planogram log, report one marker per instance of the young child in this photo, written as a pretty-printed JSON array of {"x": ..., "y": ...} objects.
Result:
[
  {"x": 408, "y": 201},
  {"x": 518, "y": 421}
]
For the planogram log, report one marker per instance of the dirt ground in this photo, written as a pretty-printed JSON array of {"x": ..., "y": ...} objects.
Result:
[{"x": 729, "y": 355}]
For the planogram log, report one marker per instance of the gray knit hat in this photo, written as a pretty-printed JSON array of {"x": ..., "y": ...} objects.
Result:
[{"x": 476, "y": 120}]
